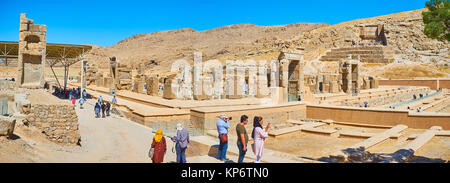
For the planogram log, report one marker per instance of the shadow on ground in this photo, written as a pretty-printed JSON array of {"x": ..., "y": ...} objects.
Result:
[
  {"x": 14, "y": 137},
  {"x": 359, "y": 155}
]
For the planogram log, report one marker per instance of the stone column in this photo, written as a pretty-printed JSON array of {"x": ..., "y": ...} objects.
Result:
[
  {"x": 301, "y": 79},
  {"x": 31, "y": 54},
  {"x": 349, "y": 79},
  {"x": 284, "y": 71},
  {"x": 357, "y": 79},
  {"x": 274, "y": 69},
  {"x": 198, "y": 92},
  {"x": 317, "y": 84}
]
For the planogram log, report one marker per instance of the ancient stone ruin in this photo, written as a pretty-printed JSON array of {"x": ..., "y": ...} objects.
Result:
[
  {"x": 373, "y": 33},
  {"x": 349, "y": 69},
  {"x": 291, "y": 73},
  {"x": 123, "y": 77},
  {"x": 58, "y": 122},
  {"x": 32, "y": 53}
]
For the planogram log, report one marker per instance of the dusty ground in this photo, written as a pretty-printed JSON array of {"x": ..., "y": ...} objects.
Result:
[
  {"x": 104, "y": 140},
  {"x": 300, "y": 143},
  {"x": 353, "y": 128},
  {"x": 116, "y": 139},
  {"x": 309, "y": 145},
  {"x": 15, "y": 151}
]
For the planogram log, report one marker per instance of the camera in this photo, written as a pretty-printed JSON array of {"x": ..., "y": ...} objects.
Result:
[{"x": 230, "y": 118}]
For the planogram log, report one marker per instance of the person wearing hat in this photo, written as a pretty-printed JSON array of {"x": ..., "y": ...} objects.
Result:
[
  {"x": 182, "y": 141},
  {"x": 222, "y": 129}
]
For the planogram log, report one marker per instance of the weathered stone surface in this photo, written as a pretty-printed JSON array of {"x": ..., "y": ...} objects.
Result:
[
  {"x": 7, "y": 125},
  {"x": 62, "y": 126},
  {"x": 32, "y": 57},
  {"x": 405, "y": 40},
  {"x": 152, "y": 85}
]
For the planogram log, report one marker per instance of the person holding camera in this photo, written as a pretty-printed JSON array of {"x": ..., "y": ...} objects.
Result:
[{"x": 222, "y": 129}]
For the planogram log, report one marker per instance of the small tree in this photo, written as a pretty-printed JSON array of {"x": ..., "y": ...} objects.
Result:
[{"x": 437, "y": 19}]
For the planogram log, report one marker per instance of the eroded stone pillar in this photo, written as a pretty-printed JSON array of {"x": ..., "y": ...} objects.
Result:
[
  {"x": 32, "y": 53},
  {"x": 284, "y": 71}
]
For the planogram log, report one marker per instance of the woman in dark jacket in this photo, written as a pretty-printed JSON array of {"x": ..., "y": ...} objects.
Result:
[{"x": 97, "y": 109}]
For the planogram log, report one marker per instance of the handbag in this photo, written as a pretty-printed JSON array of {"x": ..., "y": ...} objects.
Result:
[
  {"x": 151, "y": 152},
  {"x": 224, "y": 138}
]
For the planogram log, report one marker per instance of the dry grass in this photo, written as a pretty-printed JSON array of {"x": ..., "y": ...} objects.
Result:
[
  {"x": 369, "y": 65},
  {"x": 407, "y": 71},
  {"x": 446, "y": 70}
]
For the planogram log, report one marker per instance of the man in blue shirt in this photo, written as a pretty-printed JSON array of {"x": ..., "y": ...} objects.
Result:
[{"x": 222, "y": 129}]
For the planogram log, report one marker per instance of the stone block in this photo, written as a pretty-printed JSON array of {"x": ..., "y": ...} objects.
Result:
[
  {"x": 7, "y": 125},
  {"x": 168, "y": 94},
  {"x": 3, "y": 106}
]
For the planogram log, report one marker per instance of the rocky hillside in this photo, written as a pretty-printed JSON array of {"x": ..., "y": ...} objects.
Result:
[
  {"x": 404, "y": 32},
  {"x": 233, "y": 41},
  {"x": 155, "y": 51}
]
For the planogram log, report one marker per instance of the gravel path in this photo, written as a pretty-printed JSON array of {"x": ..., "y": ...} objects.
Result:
[{"x": 110, "y": 139}]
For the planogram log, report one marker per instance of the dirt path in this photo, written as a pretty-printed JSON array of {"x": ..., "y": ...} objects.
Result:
[
  {"x": 111, "y": 139},
  {"x": 103, "y": 140}
]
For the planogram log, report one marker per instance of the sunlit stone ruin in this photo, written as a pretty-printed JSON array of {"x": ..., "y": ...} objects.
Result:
[{"x": 327, "y": 108}]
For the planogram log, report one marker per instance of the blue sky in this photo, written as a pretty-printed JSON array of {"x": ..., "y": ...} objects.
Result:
[{"x": 106, "y": 22}]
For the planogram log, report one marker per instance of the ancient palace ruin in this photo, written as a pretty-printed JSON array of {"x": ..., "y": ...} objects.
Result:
[{"x": 32, "y": 53}]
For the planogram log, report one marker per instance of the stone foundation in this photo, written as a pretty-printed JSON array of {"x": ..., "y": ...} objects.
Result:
[
  {"x": 7, "y": 125},
  {"x": 58, "y": 122}
]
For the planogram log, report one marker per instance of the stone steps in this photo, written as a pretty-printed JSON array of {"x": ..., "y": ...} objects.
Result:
[{"x": 367, "y": 54}]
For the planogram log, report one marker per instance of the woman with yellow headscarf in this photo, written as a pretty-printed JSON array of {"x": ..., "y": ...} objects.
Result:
[{"x": 159, "y": 143}]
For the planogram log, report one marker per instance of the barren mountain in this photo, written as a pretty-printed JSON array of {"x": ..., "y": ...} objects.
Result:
[
  {"x": 164, "y": 47},
  {"x": 404, "y": 32}
]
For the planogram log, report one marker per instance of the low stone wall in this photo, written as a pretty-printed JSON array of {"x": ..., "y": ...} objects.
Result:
[
  {"x": 205, "y": 118},
  {"x": 166, "y": 122},
  {"x": 378, "y": 116},
  {"x": 434, "y": 84},
  {"x": 58, "y": 122},
  {"x": 391, "y": 98},
  {"x": 7, "y": 125},
  {"x": 380, "y": 98}
]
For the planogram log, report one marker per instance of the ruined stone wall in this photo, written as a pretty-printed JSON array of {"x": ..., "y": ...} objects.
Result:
[
  {"x": 32, "y": 57},
  {"x": 387, "y": 98},
  {"x": 434, "y": 84},
  {"x": 378, "y": 116},
  {"x": 91, "y": 73},
  {"x": 124, "y": 78},
  {"x": 7, "y": 85},
  {"x": 206, "y": 120},
  {"x": 58, "y": 122},
  {"x": 7, "y": 125},
  {"x": 403, "y": 31},
  {"x": 444, "y": 83}
]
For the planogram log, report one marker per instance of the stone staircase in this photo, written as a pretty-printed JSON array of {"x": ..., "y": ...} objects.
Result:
[{"x": 370, "y": 54}]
